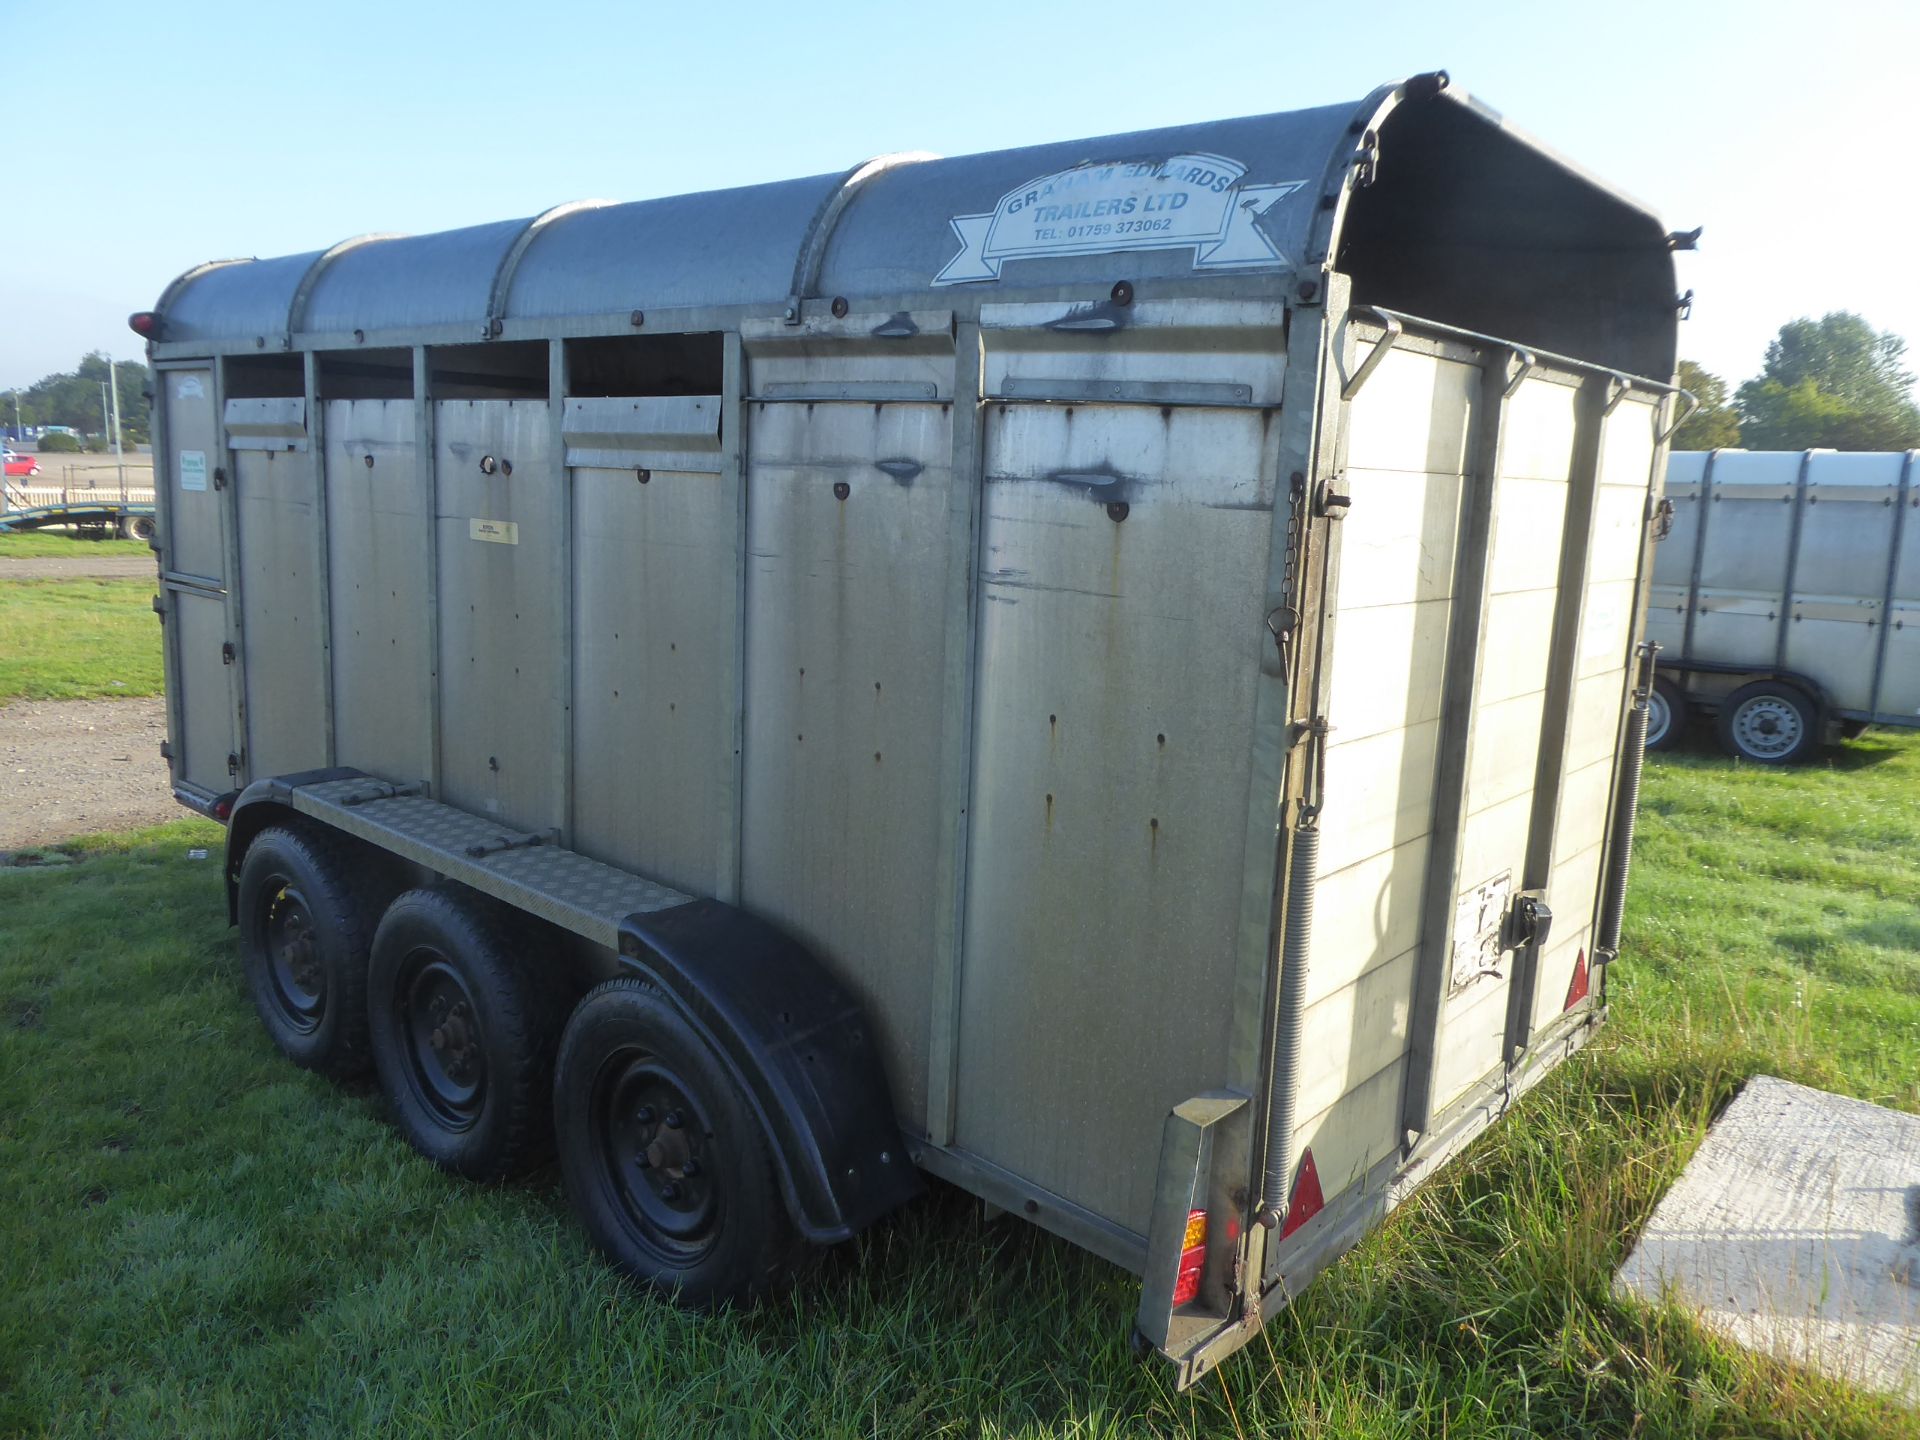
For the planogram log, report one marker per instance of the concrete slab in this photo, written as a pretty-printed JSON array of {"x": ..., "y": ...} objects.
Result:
[{"x": 1796, "y": 1231}]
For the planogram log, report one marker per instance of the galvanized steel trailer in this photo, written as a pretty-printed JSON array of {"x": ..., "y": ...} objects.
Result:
[
  {"x": 1786, "y": 602},
  {"x": 916, "y": 650}
]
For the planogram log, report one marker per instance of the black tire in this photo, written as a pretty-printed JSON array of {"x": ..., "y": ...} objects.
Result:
[
  {"x": 692, "y": 1208},
  {"x": 1667, "y": 715},
  {"x": 464, "y": 1022},
  {"x": 137, "y": 527},
  {"x": 1769, "y": 722},
  {"x": 307, "y": 907}
]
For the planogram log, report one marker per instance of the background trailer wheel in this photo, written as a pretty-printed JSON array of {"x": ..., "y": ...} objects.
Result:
[
  {"x": 1667, "y": 714},
  {"x": 463, "y": 1025},
  {"x": 1770, "y": 723},
  {"x": 306, "y": 912},
  {"x": 665, "y": 1160}
]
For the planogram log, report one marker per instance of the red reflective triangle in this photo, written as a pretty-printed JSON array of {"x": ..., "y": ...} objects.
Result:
[
  {"x": 1577, "y": 986},
  {"x": 1306, "y": 1200}
]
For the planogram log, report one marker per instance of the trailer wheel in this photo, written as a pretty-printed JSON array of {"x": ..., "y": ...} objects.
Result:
[
  {"x": 1770, "y": 723},
  {"x": 463, "y": 1031},
  {"x": 306, "y": 916},
  {"x": 137, "y": 527},
  {"x": 1666, "y": 715},
  {"x": 664, "y": 1158}
]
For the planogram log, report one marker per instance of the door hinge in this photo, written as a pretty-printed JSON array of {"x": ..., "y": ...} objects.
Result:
[
  {"x": 166, "y": 750},
  {"x": 233, "y": 762},
  {"x": 226, "y": 652},
  {"x": 219, "y": 477}
]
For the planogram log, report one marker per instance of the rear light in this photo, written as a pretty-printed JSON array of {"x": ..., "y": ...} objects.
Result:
[
  {"x": 1193, "y": 1259},
  {"x": 144, "y": 323},
  {"x": 223, "y": 808}
]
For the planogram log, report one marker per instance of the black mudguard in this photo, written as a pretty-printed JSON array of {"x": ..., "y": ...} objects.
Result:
[{"x": 799, "y": 1044}]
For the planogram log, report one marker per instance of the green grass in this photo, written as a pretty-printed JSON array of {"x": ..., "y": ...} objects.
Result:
[
  {"x": 78, "y": 639},
  {"x": 197, "y": 1238},
  {"x": 64, "y": 544}
]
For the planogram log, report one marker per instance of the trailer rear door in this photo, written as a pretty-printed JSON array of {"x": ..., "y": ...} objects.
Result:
[
  {"x": 1486, "y": 588},
  {"x": 201, "y": 698}
]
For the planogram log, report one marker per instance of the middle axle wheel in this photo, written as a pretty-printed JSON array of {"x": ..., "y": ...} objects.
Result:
[{"x": 463, "y": 1031}]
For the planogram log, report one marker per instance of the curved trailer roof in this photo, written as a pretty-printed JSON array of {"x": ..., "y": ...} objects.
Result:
[{"x": 1428, "y": 199}]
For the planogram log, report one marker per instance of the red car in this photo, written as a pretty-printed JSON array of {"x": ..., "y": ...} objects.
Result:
[{"x": 22, "y": 464}]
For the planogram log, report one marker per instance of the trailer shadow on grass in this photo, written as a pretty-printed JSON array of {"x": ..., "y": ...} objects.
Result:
[{"x": 194, "y": 1237}]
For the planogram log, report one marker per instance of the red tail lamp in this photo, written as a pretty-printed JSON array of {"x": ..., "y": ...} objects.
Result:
[
  {"x": 1193, "y": 1259},
  {"x": 145, "y": 324}
]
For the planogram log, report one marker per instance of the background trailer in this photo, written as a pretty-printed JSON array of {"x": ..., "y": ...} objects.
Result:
[
  {"x": 1786, "y": 602},
  {"x": 882, "y": 672}
]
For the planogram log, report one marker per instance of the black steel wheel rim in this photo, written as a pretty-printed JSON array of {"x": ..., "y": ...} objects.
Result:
[
  {"x": 654, "y": 1143},
  {"x": 293, "y": 954},
  {"x": 446, "y": 1060}
]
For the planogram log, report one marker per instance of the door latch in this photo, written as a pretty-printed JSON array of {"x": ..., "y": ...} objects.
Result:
[
  {"x": 226, "y": 652},
  {"x": 1331, "y": 501},
  {"x": 1529, "y": 918},
  {"x": 1662, "y": 517}
]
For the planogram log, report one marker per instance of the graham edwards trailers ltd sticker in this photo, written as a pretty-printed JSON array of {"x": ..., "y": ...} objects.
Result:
[{"x": 1184, "y": 200}]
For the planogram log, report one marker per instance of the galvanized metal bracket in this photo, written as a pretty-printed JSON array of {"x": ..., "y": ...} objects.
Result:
[
  {"x": 813, "y": 249},
  {"x": 1381, "y": 349},
  {"x": 1527, "y": 361},
  {"x": 1693, "y": 404},
  {"x": 502, "y": 287},
  {"x": 1184, "y": 1187},
  {"x": 297, "y": 307}
]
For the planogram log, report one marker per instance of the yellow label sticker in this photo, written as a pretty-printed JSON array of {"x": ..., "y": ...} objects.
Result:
[{"x": 499, "y": 532}]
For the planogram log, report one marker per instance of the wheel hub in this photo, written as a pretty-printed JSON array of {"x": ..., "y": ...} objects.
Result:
[
  {"x": 293, "y": 955},
  {"x": 446, "y": 1048},
  {"x": 654, "y": 1140},
  {"x": 1767, "y": 726}
]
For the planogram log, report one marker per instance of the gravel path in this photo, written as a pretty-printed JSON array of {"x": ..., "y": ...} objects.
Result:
[
  {"x": 73, "y": 767},
  {"x": 79, "y": 567}
]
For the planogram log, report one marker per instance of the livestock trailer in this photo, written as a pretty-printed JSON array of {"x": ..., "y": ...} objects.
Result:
[
  {"x": 776, "y": 691},
  {"x": 1783, "y": 598}
]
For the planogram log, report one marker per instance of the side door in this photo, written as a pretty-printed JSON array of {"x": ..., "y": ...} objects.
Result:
[{"x": 194, "y": 550}]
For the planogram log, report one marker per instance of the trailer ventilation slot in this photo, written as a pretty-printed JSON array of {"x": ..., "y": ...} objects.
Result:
[
  {"x": 660, "y": 432},
  {"x": 267, "y": 424}
]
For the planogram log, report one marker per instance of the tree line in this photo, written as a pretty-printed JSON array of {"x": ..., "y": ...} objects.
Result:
[
  {"x": 1832, "y": 383},
  {"x": 72, "y": 398}
]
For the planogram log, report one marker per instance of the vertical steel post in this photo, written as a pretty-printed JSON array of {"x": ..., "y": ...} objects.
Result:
[
  {"x": 966, "y": 498},
  {"x": 1793, "y": 559},
  {"x": 733, "y": 674},
  {"x": 1466, "y": 647},
  {"x": 428, "y": 485},
  {"x": 1595, "y": 404},
  {"x": 563, "y": 616},
  {"x": 225, "y": 482},
  {"x": 322, "y": 541},
  {"x": 1699, "y": 554},
  {"x": 1901, "y": 501}
]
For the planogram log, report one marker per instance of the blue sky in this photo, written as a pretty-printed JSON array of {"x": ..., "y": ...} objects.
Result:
[{"x": 143, "y": 138}]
